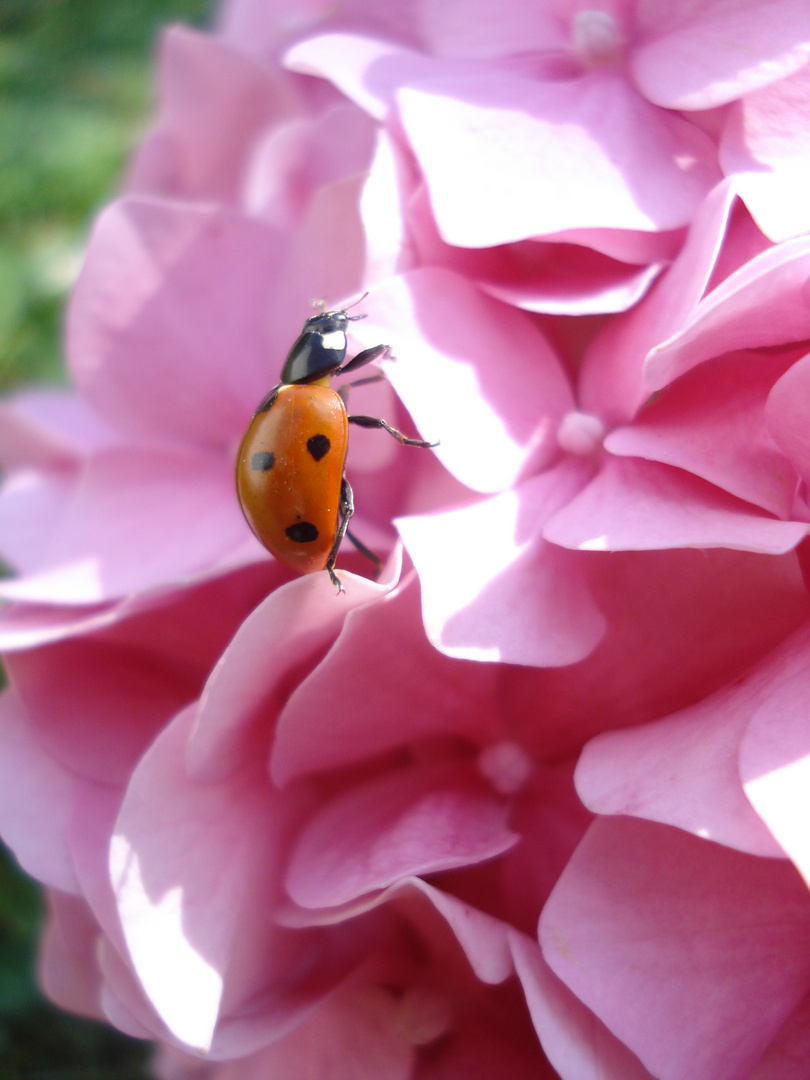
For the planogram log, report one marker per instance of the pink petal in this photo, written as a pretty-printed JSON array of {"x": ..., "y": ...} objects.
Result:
[
  {"x": 712, "y": 423},
  {"x": 635, "y": 248},
  {"x": 95, "y": 705},
  {"x": 472, "y": 372},
  {"x": 90, "y": 828},
  {"x": 449, "y": 118},
  {"x": 123, "y": 1000},
  {"x": 502, "y": 593},
  {"x": 685, "y": 949},
  {"x": 214, "y": 104},
  {"x": 450, "y": 697},
  {"x": 41, "y": 428},
  {"x": 267, "y": 1019},
  {"x": 37, "y": 795},
  {"x": 261, "y": 29},
  {"x": 763, "y": 303},
  {"x": 548, "y": 815},
  {"x": 492, "y": 1036},
  {"x": 24, "y": 626},
  {"x": 483, "y": 28},
  {"x": 691, "y": 621},
  {"x": 682, "y": 770},
  {"x": 209, "y": 607},
  {"x": 193, "y": 868},
  {"x": 506, "y": 158},
  {"x": 558, "y": 278},
  {"x": 293, "y": 160},
  {"x": 406, "y": 822},
  {"x": 576, "y": 272},
  {"x": 787, "y": 1056},
  {"x": 122, "y": 997},
  {"x": 482, "y": 939},
  {"x": 580, "y": 282},
  {"x": 32, "y": 507},
  {"x": 775, "y": 753},
  {"x": 351, "y": 1036},
  {"x": 123, "y": 1020},
  {"x": 366, "y": 69},
  {"x": 699, "y": 56},
  {"x": 140, "y": 517},
  {"x": 576, "y": 1043},
  {"x": 385, "y": 209},
  {"x": 167, "y": 330},
  {"x": 611, "y": 384},
  {"x": 640, "y": 505},
  {"x": 68, "y": 971},
  {"x": 295, "y": 625},
  {"x": 743, "y": 241},
  {"x": 324, "y": 258},
  {"x": 786, "y": 412},
  {"x": 765, "y": 143}
]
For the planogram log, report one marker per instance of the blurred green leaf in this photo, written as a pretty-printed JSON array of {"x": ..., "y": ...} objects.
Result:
[{"x": 76, "y": 87}]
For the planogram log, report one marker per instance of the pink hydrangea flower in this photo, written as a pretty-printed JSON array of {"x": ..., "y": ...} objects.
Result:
[
  {"x": 497, "y": 133},
  {"x": 532, "y": 803}
]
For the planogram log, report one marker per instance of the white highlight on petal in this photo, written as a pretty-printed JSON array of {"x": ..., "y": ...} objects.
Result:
[
  {"x": 506, "y": 765},
  {"x": 598, "y": 543},
  {"x": 780, "y": 798},
  {"x": 153, "y": 927},
  {"x": 77, "y": 582},
  {"x": 685, "y": 161},
  {"x": 596, "y": 38}
]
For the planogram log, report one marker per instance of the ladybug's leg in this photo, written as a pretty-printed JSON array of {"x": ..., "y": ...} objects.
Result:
[
  {"x": 345, "y": 510},
  {"x": 365, "y": 357},
  {"x": 361, "y": 547},
  {"x": 368, "y": 379},
  {"x": 376, "y": 422},
  {"x": 344, "y": 390}
]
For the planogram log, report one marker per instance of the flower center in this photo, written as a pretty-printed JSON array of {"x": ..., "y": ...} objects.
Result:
[
  {"x": 506, "y": 765},
  {"x": 580, "y": 433},
  {"x": 423, "y": 1014},
  {"x": 597, "y": 38}
]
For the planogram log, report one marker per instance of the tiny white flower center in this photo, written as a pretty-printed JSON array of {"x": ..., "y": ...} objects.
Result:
[
  {"x": 506, "y": 765},
  {"x": 423, "y": 1014},
  {"x": 580, "y": 433},
  {"x": 596, "y": 38}
]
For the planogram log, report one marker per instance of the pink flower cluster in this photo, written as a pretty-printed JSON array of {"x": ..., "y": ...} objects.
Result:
[{"x": 535, "y": 803}]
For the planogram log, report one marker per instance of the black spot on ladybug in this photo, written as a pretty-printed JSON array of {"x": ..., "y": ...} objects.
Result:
[
  {"x": 302, "y": 532},
  {"x": 263, "y": 461},
  {"x": 318, "y": 446}
]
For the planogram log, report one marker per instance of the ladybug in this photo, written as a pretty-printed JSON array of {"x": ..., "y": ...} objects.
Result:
[{"x": 290, "y": 470}]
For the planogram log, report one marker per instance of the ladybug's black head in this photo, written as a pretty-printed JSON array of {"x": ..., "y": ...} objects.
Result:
[
  {"x": 321, "y": 348},
  {"x": 326, "y": 322}
]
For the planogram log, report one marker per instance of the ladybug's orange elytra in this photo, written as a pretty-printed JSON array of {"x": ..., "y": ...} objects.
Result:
[{"x": 289, "y": 471}]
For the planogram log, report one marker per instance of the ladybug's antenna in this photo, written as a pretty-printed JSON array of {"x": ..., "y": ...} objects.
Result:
[
  {"x": 355, "y": 318},
  {"x": 321, "y": 306}
]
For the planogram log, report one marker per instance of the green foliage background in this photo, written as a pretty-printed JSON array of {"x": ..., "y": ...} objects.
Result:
[{"x": 76, "y": 92}]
